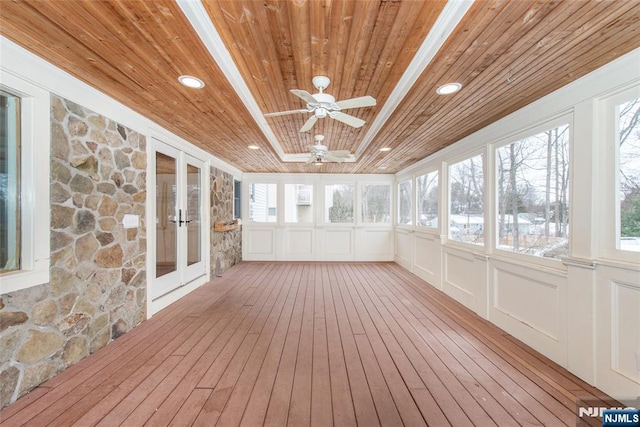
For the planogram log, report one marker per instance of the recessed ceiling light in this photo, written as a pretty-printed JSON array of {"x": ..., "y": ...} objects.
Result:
[
  {"x": 385, "y": 149},
  {"x": 449, "y": 88},
  {"x": 253, "y": 147},
  {"x": 192, "y": 82},
  {"x": 382, "y": 167},
  {"x": 318, "y": 163}
]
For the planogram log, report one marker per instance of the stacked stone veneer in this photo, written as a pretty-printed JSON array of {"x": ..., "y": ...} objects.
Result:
[
  {"x": 227, "y": 245},
  {"x": 97, "y": 288}
]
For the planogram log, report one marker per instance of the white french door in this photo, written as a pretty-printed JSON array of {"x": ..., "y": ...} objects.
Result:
[{"x": 179, "y": 214}]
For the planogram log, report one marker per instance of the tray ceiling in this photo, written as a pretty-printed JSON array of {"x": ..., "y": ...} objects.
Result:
[{"x": 250, "y": 54}]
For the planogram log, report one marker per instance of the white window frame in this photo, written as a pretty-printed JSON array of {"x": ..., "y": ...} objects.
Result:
[
  {"x": 34, "y": 181},
  {"x": 610, "y": 209},
  {"x": 564, "y": 119}
]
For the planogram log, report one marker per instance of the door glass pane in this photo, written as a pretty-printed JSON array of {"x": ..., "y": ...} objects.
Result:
[
  {"x": 9, "y": 182},
  {"x": 193, "y": 215},
  {"x": 166, "y": 225}
]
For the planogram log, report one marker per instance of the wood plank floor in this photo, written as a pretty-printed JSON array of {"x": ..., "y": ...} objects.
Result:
[{"x": 310, "y": 344}]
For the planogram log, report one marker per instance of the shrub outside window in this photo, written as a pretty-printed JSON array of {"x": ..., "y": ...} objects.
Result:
[
  {"x": 533, "y": 194},
  {"x": 404, "y": 203}
]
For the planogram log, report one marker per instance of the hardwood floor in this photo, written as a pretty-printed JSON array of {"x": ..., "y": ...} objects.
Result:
[{"x": 310, "y": 344}]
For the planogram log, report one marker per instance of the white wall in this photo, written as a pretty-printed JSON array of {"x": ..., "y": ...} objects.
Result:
[
  {"x": 315, "y": 240},
  {"x": 583, "y": 311}
]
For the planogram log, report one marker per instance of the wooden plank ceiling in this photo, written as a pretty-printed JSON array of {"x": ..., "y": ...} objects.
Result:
[{"x": 505, "y": 53}]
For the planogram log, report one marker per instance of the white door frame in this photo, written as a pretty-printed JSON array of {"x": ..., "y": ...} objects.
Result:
[{"x": 170, "y": 287}]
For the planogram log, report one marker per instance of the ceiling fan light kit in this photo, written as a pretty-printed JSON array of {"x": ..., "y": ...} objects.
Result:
[{"x": 322, "y": 104}]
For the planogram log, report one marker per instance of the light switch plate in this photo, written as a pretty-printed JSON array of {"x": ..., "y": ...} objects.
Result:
[{"x": 131, "y": 221}]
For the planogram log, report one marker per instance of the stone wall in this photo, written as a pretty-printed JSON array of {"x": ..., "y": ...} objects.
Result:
[
  {"x": 227, "y": 246},
  {"x": 97, "y": 288}
]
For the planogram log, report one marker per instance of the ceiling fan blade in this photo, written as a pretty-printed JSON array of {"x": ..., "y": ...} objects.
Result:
[
  {"x": 331, "y": 158},
  {"x": 282, "y": 113},
  {"x": 311, "y": 159},
  {"x": 363, "y": 101},
  {"x": 347, "y": 119},
  {"x": 309, "y": 124},
  {"x": 306, "y": 96},
  {"x": 340, "y": 153}
]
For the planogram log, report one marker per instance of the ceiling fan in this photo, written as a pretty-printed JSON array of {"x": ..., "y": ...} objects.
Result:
[
  {"x": 322, "y": 104},
  {"x": 320, "y": 153}
]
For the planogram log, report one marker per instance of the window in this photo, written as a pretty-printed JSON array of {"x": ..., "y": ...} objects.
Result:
[
  {"x": 466, "y": 196},
  {"x": 25, "y": 134},
  {"x": 376, "y": 203},
  {"x": 533, "y": 194},
  {"x": 262, "y": 202},
  {"x": 404, "y": 203},
  {"x": 427, "y": 199},
  {"x": 9, "y": 182},
  {"x": 339, "y": 203},
  {"x": 298, "y": 203},
  {"x": 237, "y": 198},
  {"x": 628, "y": 148}
]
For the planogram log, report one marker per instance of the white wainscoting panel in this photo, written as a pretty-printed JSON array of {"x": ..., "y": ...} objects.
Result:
[
  {"x": 404, "y": 248},
  {"x": 299, "y": 244},
  {"x": 373, "y": 244},
  {"x": 617, "y": 337},
  {"x": 338, "y": 244},
  {"x": 463, "y": 279},
  {"x": 259, "y": 244},
  {"x": 427, "y": 258},
  {"x": 625, "y": 317},
  {"x": 530, "y": 304}
]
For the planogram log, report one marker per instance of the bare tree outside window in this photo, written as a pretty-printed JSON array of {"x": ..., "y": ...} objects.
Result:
[
  {"x": 533, "y": 194},
  {"x": 427, "y": 199},
  {"x": 376, "y": 203},
  {"x": 628, "y": 125},
  {"x": 404, "y": 203},
  {"x": 466, "y": 195}
]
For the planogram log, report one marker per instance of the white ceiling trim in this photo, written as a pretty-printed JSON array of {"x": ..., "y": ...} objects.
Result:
[
  {"x": 197, "y": 15},
  {"x": 451, "y": 15}
]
